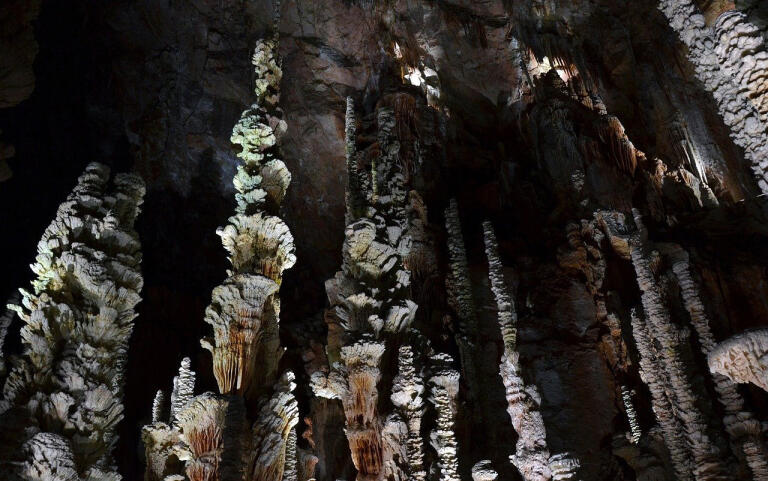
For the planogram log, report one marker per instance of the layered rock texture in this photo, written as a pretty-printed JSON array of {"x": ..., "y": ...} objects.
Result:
[
  {"x": 62, "y": 399},
  {"x": 523, "y": 240}
]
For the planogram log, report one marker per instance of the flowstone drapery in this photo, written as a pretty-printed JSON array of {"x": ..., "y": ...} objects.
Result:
[
  {"x": 63, "y": 397},
  {"x": 210, "y": 433}
]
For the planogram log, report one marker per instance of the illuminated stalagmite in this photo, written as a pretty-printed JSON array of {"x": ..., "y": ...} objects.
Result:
[
  {"x": 63, "y": 397},
  {"x": 706, "y": 462},
  {"x": 212, "y": 433},
  {"x": 730, "y": 61},
  {"x": 370, "y": 318},
  {"x": 369, "y": 302},
  {"x": 532, "y": 456}
]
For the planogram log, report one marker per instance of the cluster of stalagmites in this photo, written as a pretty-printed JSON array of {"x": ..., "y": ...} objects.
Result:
[
  {"x": 662, "y": 347},
  {"x": 730, "y": 60},
  {"x": 209, "y": 436},
  {"x": 370, "y": 320},
  {"x": 62, "y": 399}
]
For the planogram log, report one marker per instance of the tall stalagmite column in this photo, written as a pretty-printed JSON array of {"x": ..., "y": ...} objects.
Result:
[
  {"x": 370, "y": 317},
  {"x": 532, "y": 456},
  {"x": 63, "y": 397},
  {"x": 216, "y": 438}
]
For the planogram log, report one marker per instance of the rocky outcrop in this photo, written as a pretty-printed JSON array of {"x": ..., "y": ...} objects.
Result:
[{"x": 62, "y": 399}]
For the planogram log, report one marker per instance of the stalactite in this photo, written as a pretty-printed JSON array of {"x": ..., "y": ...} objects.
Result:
[
  {"x": 65, "y": 392},
  {"x": 629, "y": 407},
  {"x": 741, "y": 358},
  {"x": 748, "y": 130},
  {"x": 742, "y": 426},
  {"x": 444, "y": 389},
  {"x": 707, "y": 463}
]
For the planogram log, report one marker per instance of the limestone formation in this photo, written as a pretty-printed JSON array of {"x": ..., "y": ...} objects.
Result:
[
  {"x": 64, "y": 394},
  {"x": 742, "y": 358},
  {"x": 629, "y": 407},
  {"x": 407, "y": 396},
  {"x": 371, "y": 312},
  {"x": 212, "y": 433},
  {"x": 444, "y": 390},
  {"x": 732, "y": 79},
  {"x": 532, "y": 456},
  {"x": 274, "y": 435},
  {"x": 162, "y": 437},
  {"x": 652, "y": 374},
  {"x": 483, "y": 471},
  {"x": 741, "y": 425},
  {"x": 706, "y": 461}
]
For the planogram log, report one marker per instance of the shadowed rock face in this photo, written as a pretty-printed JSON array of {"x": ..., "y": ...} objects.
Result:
[{"x": 614, "y": 118}]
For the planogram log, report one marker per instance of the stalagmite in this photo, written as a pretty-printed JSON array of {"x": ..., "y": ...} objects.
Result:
[
  {"x": 183, "y": 389},
  {"x": 742, "y": 358},
  {"x": 64, "y": 394},
  {"x": 483, "y": 471},
  {"x": 161, "y": 438},
  {"x": 370, "y": 304},
  {"x": 211, "y": 433},
  {"x": 629, "y": 407},
  {"x": 460, "y": 291},
  {"x": 742, "y": 53},
  {"x": 444, "y": 389},
  {"x": 407, "y": 396},
  {"x": 355, "y": 199},
  {"x": 532, "y": 455},
  {"x": 748, "y": 130},
  {"x": 742, "y": 426},
  {"x": 707, "y": 463},
  {"x": 652, "y": 374},
  {"x": 272, "y": 433},
  {"x": 563, "y": 466}
]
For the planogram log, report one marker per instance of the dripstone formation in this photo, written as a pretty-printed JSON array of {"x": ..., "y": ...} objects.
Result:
[{"x": 523, "y": 240}]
